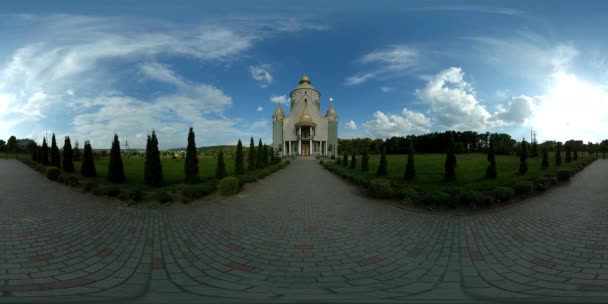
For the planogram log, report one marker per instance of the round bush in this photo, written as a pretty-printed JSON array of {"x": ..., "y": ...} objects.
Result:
[
  {"x": 229, "y": 185},
  {"x": 162, "y": 197},
  {"x": 436, "y": 198},
  {"x": 503, "y": 194},
  {"x": 523, "y": 187},
  {"x": 473, "y": 199},
  {"x": 72, "y": 181},
  {"x": 563, "y": 175},
  {"x": 381, "y": 188},
  {"x": 136, "y": 194},
  {"x": 52, "y": 173},
  {"x": 112, "y": 190},
  {"x": 409, "y": 195}
]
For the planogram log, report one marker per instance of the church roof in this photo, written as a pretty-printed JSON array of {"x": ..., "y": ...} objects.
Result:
[
  {"x": 278, "y": 112},
  {"x": 331, "y": 112},
  {"x": 305, "y": 84},
  {"x": 305, "y": 118}
]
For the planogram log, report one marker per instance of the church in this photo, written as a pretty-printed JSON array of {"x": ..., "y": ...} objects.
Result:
[{"x": 305, "y": 131}]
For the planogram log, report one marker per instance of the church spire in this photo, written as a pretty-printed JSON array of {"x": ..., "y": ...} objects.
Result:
[
  {"x": 278, "y": 113},
  {"x": 331, "y": 112}
]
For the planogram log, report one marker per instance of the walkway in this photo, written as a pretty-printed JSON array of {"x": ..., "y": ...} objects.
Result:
[{"x": 300, "y": 234}]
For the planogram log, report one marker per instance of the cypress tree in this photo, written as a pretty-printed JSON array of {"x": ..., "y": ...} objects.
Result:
[
  {"x": 220, "y": 169},
  {"x": 252, "y": 157},
  {"x": 523, "y": 158},
  {"x": 147, "y": 167},
  {"x": 353, "y": 161},
  {"x": 87, "y": 169},
  {"x": 558, "y": 154},
  {"x": 152, "y": 163},
  {"x": 382, "y": 170},
  {"x": 345, "y": 159},
  {"x": 410, "y": 170},
  {"x": 239, "y": 162},
  {"x": 365, "y": 161},
  {"x": 68, "y": 165},
  {"x": 116, "y": 171},
  {"x": 55, "y": 157},
  {"x": 265, "y": 149},
  {"x": 35, "y": 153},
  {"x": 77, "y": 154},
  {"x": 259, "y": 162},
  {"x": 545, "y": 162},
  {"x": 575, "y": 155},
  {"x": 270, "y": 155},
  {"x": 450, "y": 162},
  {"x": 491, "y": 170},
  {"x": 45, "y": 153},
  {"x": 191, "y": 164},
  {"x": 568, "y": 155}
]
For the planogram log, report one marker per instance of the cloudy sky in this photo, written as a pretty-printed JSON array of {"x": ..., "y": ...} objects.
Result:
[{"x": 89, "y": 69}]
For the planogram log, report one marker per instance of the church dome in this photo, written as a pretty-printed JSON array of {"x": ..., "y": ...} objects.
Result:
[
  {"x": 331, "y": 112},
  {"x": 305, "y": 84},
  {"x": 304, "y": 79},
  {"x": 278, "y": 112}
]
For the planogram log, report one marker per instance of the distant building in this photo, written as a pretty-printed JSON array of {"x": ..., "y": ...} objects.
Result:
[{"x": 305, "y": 131}]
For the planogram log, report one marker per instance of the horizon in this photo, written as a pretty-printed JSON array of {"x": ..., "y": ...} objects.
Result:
[{"x": 89, "y": 70}]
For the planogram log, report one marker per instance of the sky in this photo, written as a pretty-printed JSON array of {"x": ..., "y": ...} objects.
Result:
[{"x": 89, "y": 69}]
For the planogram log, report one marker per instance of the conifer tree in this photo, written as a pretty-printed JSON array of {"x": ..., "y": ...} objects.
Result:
[
  {"x": 116, "y": 171},
  {"x": 265, "y": 162},
  {"x": 558, "y": 154},
  {"x": 450, "y": 162},
  {"x": 523, "y": 158},
  {"x": 191, "y": 163},
  {"x": 345, "y": 159},
  {"x": 410, "y": 170},
  {"x": 68, "y": 155},
  {"x": 365, "y": 161},
  {"x": 575, "y": 154},
  {"x": 55, "y": 157},
  {"x": 77, "y": 154},
  {"x": 259, "y": 162},
  {"x": 35, "y": 152},
  {"x": 382, "y": 167},
  {"x": 545, "y": 162},
  {"x": 252, "y": 157},
  {"x": 153, "y": 171},
  {"x": 491, "y": 170},
  {"x": 220, "y": 169},
  {"x": 353, "y": 161},
  {"x": 87, "y": 169},
  {"x": 45, "y": 153},
  {"x": 239, "y": 161},
  {"x": 568, "y": 154}
]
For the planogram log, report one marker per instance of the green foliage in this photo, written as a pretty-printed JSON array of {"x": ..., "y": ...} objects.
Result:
[
  {"x": 503, "y": 194},
  {"x": 259, "y": 162},
  {"x": 408, "y": 195},
  {"x": 353, "y": 162},
  {"x": 563, "y": 175},
  {"x": 229, "y": 185},
  {"x": 191, "y": 163},
  {"x": 542, "y": 183},
  {"x": 72, "y": 180},
  {"x": 473, "y": 199},
  {"x": 43, "y": 157},
  {"x": 382, "y": 166},
  {"x": 52, "y": 173},
  {"x": 252, "y": 157},
  {"x": 523, "y": 158},
  {"x": 11, "y": 145},
  {"x": 111, "y": 190},
  {"x": 198, "y": 191},
  {"x": 153, "y": 170},
  {"x": 68, "y": 155},
  {"x": 365, "y": 161},
  {"x": 35, "y": 153},
  {"x": 575, "y": 155},
  {"x": 450, "y": 162},
  {"x": 239, "y": 161},
  {"x": 136, "y": 194},
  {"x": 491, "y": 169},
  {"x": 558, "y": 154},
  {"x": 162, "y": 197},
  {"x": 545, "y": 161},
  {"x": 345, "y": 159},
  {"x": 523, "y": 187},
  {"x": 89, "y": 186},
  {"x": 435, "y": 198},
  {"x": 568, "y": 154},
  {"x": 220, "y": 169},
  {"x": 87, "y": 169},
  {"x": 381, "y": 188},
  {"x": 116, "y": 171},
  {"x": 410, "y": 170},
  {"x": 55, "y": 157},
  {"x": 77, "y": 154}
]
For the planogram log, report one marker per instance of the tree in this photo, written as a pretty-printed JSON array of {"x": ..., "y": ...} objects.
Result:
[
  {"x": 575, "y": 154},
  {"x": 11, "y": 146},
  {"x": 35, "y": 153},
  {"x": 191, "y": 163},
  {"x": 220, "y": 169},
  {"x": 77, "y": 155},
  {"x": 545, "y": 162},
  {"x": 44, "y": 159},
  {"x": 365, "y": 161},
  {"x": 450, "y": 162},
  {"x": 239, "y": 161},
  {"x": 534, "y": 149},
  {"x": 259, "y": 162},
  {"x": 116, "y": 171},
  {"x": 265, "y": 152},
  {"x": 68, "y": 155},
  {"x": 410, "y": 170},
  {"x": 55, "y": 156},
  {"x": 251, "y": 165},
  {"x": 3, "y": 146},
  {"x": 353, "y": 161},
  {"x": 558, "y": 154},
  {"x": 568, "y": 154},
  {"x": 523, "y": 158},
  {"x": 382, "y": 170},
  {"x": 153, "y": 170},
  {"x": 87, "y": 169},
  {"x": 491, "y": 170},
  {"x": 345, "y": 159}
]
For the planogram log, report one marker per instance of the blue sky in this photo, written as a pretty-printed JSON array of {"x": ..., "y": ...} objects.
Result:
[{"x": 89, "y": 69}]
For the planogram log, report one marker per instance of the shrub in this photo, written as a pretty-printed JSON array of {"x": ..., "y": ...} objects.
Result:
[
  {"x": 61, "y": 178},
  {"x": 473, "y": 199},
  {"x": 435, "y": 198},
  {"x": 563, "y": 175},
  {"x": 503, "y": 194},
  {"x": 408, "y": 195},
  {"x": 228, "y": 185},
  {"x": 194, "y": 192},
  {"x": 111, "y": 190},
  {"x": 542, "y": 183},
  {"x": 136, "y": 194},
  {"x": 162, "y": 197},
  {"x": 522, "y": 187},
  {"x": 450, "y": 162},
  {"x": 99, "y": 191},
  {"x": 89, "y": 186},
  {"x": 381, "y": 188},
  {"x": 52, "y": 173},
  {"x": 72, "y": 181}
]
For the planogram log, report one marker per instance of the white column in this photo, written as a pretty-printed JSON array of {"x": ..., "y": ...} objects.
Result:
[
  {"x": 326, "y": 149},
  {"x": 299, "y": 147},
  {"x": 310, "y": 147},
  {"x": 284, "y": 149}
]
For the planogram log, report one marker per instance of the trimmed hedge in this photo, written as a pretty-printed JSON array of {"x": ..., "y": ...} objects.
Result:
[
  {"x": 563, "y": 175},
  {"x": 162, "y": 197},
  {"x": 229, "y": 185},
  {"x": 198, "y": 191},
  {"x": 381, "y": 188},
  {"x": 52, "y": 173},
  {"x": 523, "y": 187},
  {"x": 408, "y": 195}
]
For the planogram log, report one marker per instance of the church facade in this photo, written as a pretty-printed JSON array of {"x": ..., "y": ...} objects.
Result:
[{"x": 305, "y": 131}]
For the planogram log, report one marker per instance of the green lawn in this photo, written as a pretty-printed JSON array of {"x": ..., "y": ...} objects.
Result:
[{"x": 470, "y": 171}]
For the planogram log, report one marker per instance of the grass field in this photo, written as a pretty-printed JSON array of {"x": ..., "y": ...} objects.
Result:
[{"x": 470, "y": 170}]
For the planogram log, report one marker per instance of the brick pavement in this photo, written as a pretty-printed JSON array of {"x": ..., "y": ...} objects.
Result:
[{"x": 300, "y": 234}]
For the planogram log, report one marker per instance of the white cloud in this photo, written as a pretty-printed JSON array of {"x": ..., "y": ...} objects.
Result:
[
  {"x": 452, "y": 101},
  {"x": 160, "y": 72},
  {"x": 386, "y": 89},
  {"x": 408, "y": 122},
  {"x": 282, "y": 99},
  {"x": 352, "y": 125},
  {"x": 260, "y": 109},
  {"x": 388, "y": 62},
  {"x": 261, "y": 74},
  {"x": 358, "y": 79},
  {"x": 518, "y": 110}
]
